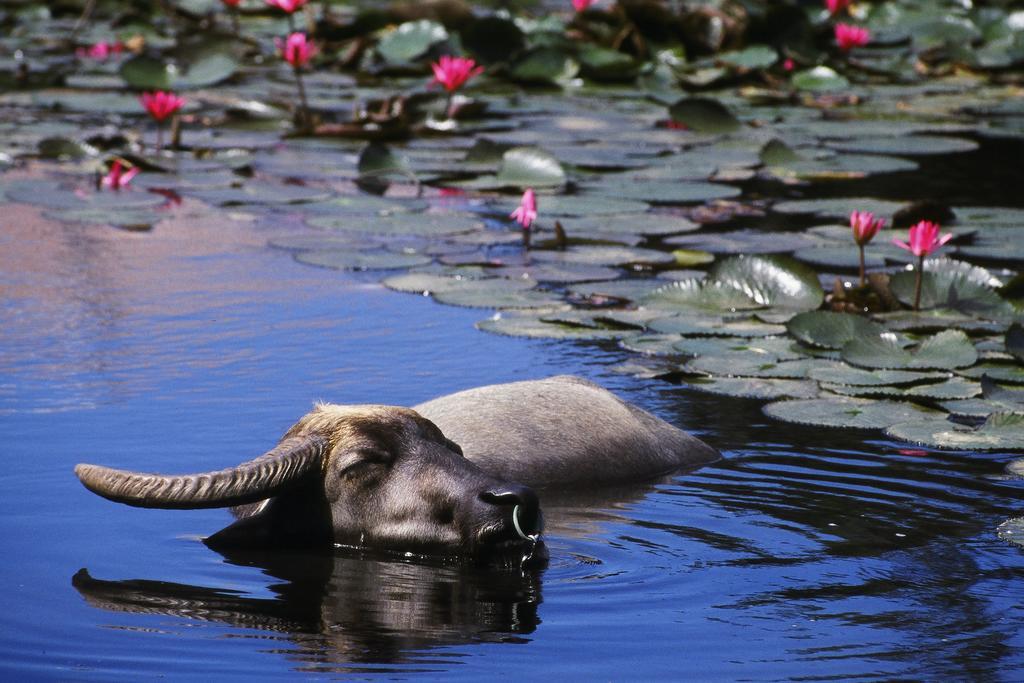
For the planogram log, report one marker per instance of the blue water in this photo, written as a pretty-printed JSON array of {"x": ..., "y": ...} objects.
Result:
[{"x": 806, "y": 554}]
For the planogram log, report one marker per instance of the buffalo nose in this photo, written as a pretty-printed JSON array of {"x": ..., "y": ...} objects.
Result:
[{"x": 528, "y": 514}]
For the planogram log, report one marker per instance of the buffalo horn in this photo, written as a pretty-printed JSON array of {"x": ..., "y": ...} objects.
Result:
[{"x": 264, "y": 477}]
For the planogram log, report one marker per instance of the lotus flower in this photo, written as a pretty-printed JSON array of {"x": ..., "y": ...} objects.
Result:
[
  {"x": 580, "y": 5},
  {"x": 231, "y": 3},
  {"x": 865, "y": 227},
  {"x": 101, "y": 50},
  {"x": 453, "y": 72},
  {"x": 924, "y": 239},
  {"x": 297, "y": 50},
  {"x": 836, "y": 6},
  {"x": 118, "y": 177},
  {"x": 160, "y": 105},
  {"x": 848, "y": 36},
  {"x": 526, "y": 213},
  {"x": 288, "y": 6}
]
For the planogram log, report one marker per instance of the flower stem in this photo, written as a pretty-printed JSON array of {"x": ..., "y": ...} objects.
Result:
[
  {"x": 234, "y": 20},
  {"x": 917, "y": 284},
  {"x": 861, "y": 248},
  {"x": 449, "y": 103},
  {"x": 304, "y": 112},
  {"x": 159, "y": 136}
]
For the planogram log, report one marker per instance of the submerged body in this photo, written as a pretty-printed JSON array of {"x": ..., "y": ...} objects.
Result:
[{"x": 452, "y": 475}]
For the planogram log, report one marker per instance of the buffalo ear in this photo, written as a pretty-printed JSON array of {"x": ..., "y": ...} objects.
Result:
[
  {"x": 300, "y": 517},
  {"x": 288, "y": 465}
]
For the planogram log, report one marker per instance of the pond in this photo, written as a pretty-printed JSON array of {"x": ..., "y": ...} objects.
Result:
[{"x": 183, "y": 323}]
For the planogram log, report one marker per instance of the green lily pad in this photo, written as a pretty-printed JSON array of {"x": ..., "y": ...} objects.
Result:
[
  {"x": 523, "y": 167},
  {"x": 995, "y": 392},
  {"x": 1012, "y": 531},
  {"x": 842, "y": 374},
  {"x": 704, "y": 115},
  {"x": 65, "y": 148},
  {"x": 651, "y": 344},
  {"x": 204, "y": 69},
  {"x": 752, "y": 57},
  {"x": 258, "y": 192},
  {"x": 561, "y": 273},
  {"x": 778, "y": 282},
  {"x": 700, "y": 295},
  {"x": 754, "y": 387},
  {"x": 491, "y": 39},
  {"x": 944, "y": 351},
  {"x": 850, "y": 412},
  {"x": 647, "y": 224},
  {"x": 846, "y": 257},
  {"x": 767, "y": 348},
  {"x": 710, "y": 325},
  {"x": 605, "y": 256},
  {"x": 376, "y": 160},
  {"x": 589, "y": 206},
  {"x": 829, "y": 330},
  {"x": 743, "y": 241},
  {"x": 544, "y": 65},
  {"x": 687, "y": 258},
  {"x": 52, "y": 195},
  {"x": 842, "y": 167},
  {"x": 1000, "y": 432},
  {"x": 838, "y": 209},
  {"x": 531, "y": 325},
  {"x": 751, "y": 364},
  {"x": 999, "y": 372},
  {"x": 129, "y": 219},
  {"x": 605, "y": 64},
  {"x": 349, "y": 259},
  {"x": 820, "y": 79},
  {"x": 409, "y": 41},
  {"x": 400, "y": 223},
  {"x": 952, "y": 285}
]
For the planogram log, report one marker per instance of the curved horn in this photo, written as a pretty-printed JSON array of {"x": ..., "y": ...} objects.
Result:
[{"x": 266, "y": 476}]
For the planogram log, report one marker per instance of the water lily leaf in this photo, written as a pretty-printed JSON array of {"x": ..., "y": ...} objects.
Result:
[
  {"x": 259, "y": 192},
  {"x": 544, "y": 65},
  {"x": 704, "y": 115},
  {"x": 409, "y": 41},
  {"x": 531, "y": 325},
  {"x": 605, "y": 256},
  {"x": 492, "y": 39},
  {"x": 605, "y": 64},
  {"x": 850, "y": 412},
  {"x": 820, "y": 79},
  {"x": 651, "y": 344},
  {"x": 842, "y": 167},
  {"x": 952, "y": 285},
  {"x": 846, "y": 257},
  {"x": 744, "y": 241},
  {"x": 499, "y": 293},
  {"x": 751, "y": 364},
  {"x": 829, "y": 330},
  {"x": 65, "y": 148},
  {"x": 997, "y": 371},
  {"x": 1012, "y": 531},
  {"x": 994, "y": 392},
  {"x": 905, "y": 145},
  {"x": 523, "y": 167},
  {"x": 561, "y": 273},
  {"x": 687, "y": 258},
  {"x": 647, "y": 224},
  {"x": 842, "y": 374},
  {"x": 777, "y": 153},
  {"x": 52, "y": 195},
  {"x": 127, "y": 219},
  {"x": 944, "y": 351},
  {"x": 1015, "y": 341},
  {"x": 752, "y": 57},
  {"x": 754, "y": 387},
  {"x": 576, "y": 205},
  {"x": 400, "y": 223},
  {"x": 660, "y": 192},
  {"x": 976, "y": 407},
  {"x": 709, "y": 325},
  {"x": 955, "y": 388},
  {"x": 699, "y": 295},
  {"x": 204, "y": 69},
  {"x": 1000, "y": 432},
  {"x": 837, "y": 209},
  {"x": 767, "y": 348},
  {"x": 351, "y": 259},
  {"x": 778, "y": 282}
]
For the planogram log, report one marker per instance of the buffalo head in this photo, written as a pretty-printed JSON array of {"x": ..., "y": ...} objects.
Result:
[{"x": 375, "y": 476}]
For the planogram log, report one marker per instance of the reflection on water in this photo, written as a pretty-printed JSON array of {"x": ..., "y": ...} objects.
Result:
[{"x": 340, "y": 612}]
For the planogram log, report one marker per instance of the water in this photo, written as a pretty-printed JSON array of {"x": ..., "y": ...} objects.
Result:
[{"x": 806, "y": 554}]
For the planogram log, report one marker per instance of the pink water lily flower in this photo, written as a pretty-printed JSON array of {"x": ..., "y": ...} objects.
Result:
[
  {"x": 101, "y": 50},
  {"x": 161, "y": 104},
  {"x": 118, "y": 177},
  {"x": 849, "y": 36},
  {"x": 865, "y": 226},
  {"x": 526, "y": 213},
  {"x": 836, "y": 6},
  {"x": 297, "y": 50},
  {"x": 924, "y": 239},
  {"x": 288, "y": 6},
  {"x": 453, "y": 72},
  {"x": 580, "y": 5},
  {"x": 231, "y": 3}
]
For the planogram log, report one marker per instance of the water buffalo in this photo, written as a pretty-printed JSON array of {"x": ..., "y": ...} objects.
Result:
[{"x": 452, "y": 475}]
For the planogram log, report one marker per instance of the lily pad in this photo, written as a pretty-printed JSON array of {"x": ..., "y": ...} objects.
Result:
[
  {"x": 952, "y": 285},
  {"x": 840, "y": 373},
  {"x": 700, "y": 295},
  {"x": 829, "y": 330},
  {"x": 1012, "y": 531},
  {"x": 754, "y": 387},
  {"x": 531, "y": 325},
  {"x": 751, "y": 364},
  {"x": 204, "y": 69},
  {"x": 905, "y": 145},
  {"x": 351, "y": 259},
  {"x": 820, "y": 79},
  {"x": 1000, "y": 432},
  {"x": 605, "y": 256},
  {"x": 837, "y": 208},
  {"x": 1015, "y": 341},
  {"x": 944, "y": 351},
  {"x": 400, "y": 223},
  {"x": 544, "y": 65},
  {"x": 850, "y": 412},
  {"x": 409, "y": 41},
  {"x": 777, "y": 282},
  {"x": 704, "y": 115}
]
